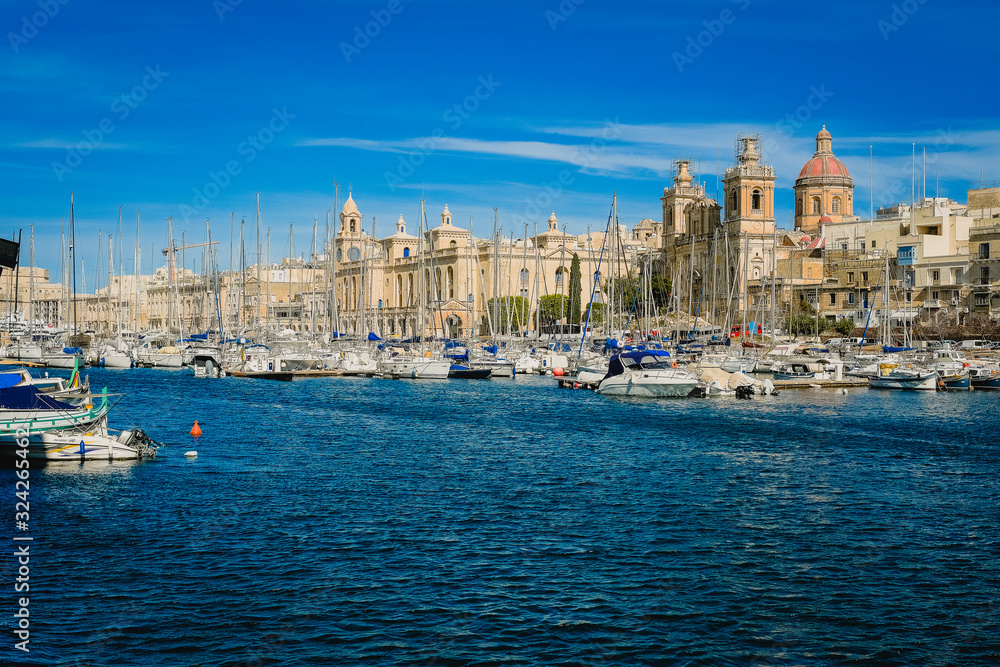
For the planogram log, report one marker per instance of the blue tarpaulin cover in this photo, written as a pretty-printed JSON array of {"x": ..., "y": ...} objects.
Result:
[
  {"x": 372, "y": 336},
  {"x": 29, "y": 398}
]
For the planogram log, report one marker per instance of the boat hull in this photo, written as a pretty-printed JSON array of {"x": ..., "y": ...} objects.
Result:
[
  {"x": 418, "y": 367},
  {"x": 651, "y": 384},
  {"x": 927, "y": 381}
]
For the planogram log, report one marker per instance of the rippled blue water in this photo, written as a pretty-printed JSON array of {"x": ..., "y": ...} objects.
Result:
[{"x": 338, "y": 521}]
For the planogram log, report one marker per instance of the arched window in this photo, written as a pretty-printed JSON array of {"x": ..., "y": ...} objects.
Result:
[
  {"x": 399, "y": 290},
  {"x": 815, "y": 205},
  {"x": 756, "y": 200},
  {"x": 437, "y": 284},
  {"x": 453, "y": 244},
  {"x": 559, "y": 277},
  {"x": 451, "y": 283},
  {"x": 597, "y": 277},
  {"x": 734, "y": 203},
  {"x": 798, "y": 206},
  {"x": 409, "y": 292},
  {"x": 524, "y": 276},
  {"x": 353, "y": 296},
  {"x": 835, "y": 207},
  {"x": 406, "y": 252},
  {"x": 352, "y": 226}
]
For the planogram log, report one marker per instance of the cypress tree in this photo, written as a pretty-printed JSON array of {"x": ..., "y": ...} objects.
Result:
[{"x": 575, "y": 288}]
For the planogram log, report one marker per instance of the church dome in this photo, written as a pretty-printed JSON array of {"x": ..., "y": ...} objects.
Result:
[{"x": 823, "y": 167}]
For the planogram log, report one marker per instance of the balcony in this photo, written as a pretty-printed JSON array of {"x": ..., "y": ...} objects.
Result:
[
  {"x": 984, "y": 230},
  {"x": 984, "y": 257},
  {"x": 934, "y": 303}
]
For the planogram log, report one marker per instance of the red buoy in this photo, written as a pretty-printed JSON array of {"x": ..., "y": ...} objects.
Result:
[
  {"x": 557, "y": 371},
  {"x": 195, "y": 430}
]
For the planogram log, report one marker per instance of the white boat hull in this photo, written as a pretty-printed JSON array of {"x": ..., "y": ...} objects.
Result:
[
  {"x": 116, "y": 361},
  {"x": 650, "y": 383},
  {"x": 161, "y": 360},
  {"x": 415, "y": 367}
]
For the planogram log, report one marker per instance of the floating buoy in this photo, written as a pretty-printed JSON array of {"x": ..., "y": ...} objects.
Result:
[
  {"x": 195, "y": 430},
  {"x": 557, "y": 371},
  {"x": 192, "y": 454}
]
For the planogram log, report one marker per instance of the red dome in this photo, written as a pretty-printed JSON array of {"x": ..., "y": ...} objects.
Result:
[{"x": 824, "y": 165}]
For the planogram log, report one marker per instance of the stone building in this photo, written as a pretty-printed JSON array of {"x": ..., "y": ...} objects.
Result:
[
  {"x": 463, "y": 279},
  {"x": 824, "y": 190}
]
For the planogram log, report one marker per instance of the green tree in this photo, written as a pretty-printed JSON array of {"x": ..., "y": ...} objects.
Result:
[
  {"x": 596, "y": 313},
  {"x": 575, "y": 288},
  {"x": 661, "y": 290},
  {"x": 844, "y": 327},
  {"x": 513, "y": 313},
  {"x": 553, "y": 308}
]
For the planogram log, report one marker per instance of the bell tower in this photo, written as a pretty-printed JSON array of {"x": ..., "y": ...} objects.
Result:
[{"x": 749, "y": 190}]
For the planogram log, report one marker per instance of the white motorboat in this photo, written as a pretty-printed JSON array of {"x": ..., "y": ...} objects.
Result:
[
  {"x": 95, "y": 442},
  {"x": 647, "y": 373},
  {"x": 409, "y": 366},
  {"x": 159, "y": 353},
  {"x": 295, "y": 356}
]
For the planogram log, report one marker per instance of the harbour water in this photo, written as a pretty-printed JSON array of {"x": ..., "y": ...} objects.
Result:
[{"x": 342, "y": 521}]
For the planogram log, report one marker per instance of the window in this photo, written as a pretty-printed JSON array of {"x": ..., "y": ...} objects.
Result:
[
  {"x": 798, "y": 206},
  {"x": 559, "y": 277},
  {"x": 352, "y": 227},
  {"x": 864, "y": 277},
  {"x": 873, "y": 244},
  {"x": 935, "y": 295},
  {"x": 835, "y": 207},
  {"x": 936, "y": 275},
  {"x": 815, "y": 205},
  {"x": 453, "y": 244},
  {"x": 850, "y": 297},
  {"x": 833, "y": 299},
  {"x": 406, "y": 252},
  {"x": 451, "y": 282},
  {"x": 524, "y": 276},
  {"x": 984, "y": 275},
  {"x": 755, "y": 200},
  {"x": 734, "y": 203},
  {"x": 984, "y": 251},
  {"x": 850, "y": 276},
  {"x": 862, "y": 245}
]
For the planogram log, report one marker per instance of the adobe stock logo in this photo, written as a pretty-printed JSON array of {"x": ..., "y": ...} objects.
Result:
[
  {"x": 38, "y": 20},
  {"x": 363, "y": 36},
  {"x": 122, "y": 108},
  {"x": 697, "y": 44}
]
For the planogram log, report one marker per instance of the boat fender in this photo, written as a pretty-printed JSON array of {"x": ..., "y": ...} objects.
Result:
[{"x": 673, "y": 364}]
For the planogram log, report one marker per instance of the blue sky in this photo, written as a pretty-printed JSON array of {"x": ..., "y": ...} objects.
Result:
[{"x": 189, "y": 108}]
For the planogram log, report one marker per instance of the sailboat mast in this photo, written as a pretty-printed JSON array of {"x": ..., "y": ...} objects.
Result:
[{"x": 72, "y": 257}]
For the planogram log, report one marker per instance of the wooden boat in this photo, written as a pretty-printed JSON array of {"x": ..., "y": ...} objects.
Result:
[{"x": 892, "y": 376}]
